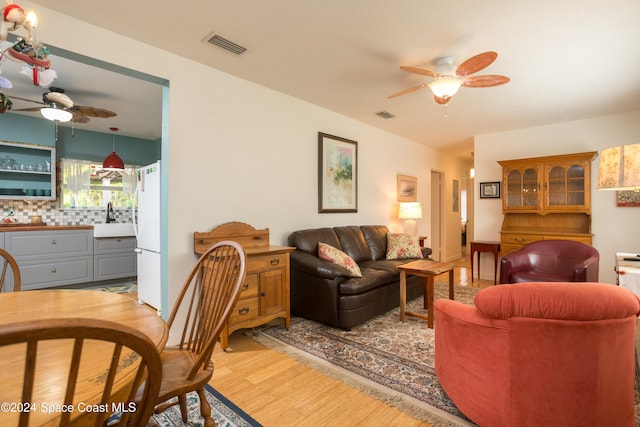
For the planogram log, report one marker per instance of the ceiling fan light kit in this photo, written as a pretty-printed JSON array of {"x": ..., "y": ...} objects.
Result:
[
  {"x": 445, "y": 86},
  {"x": 56, "y": 114}
]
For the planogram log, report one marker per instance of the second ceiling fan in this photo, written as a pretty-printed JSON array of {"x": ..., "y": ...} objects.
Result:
[
  {"x": 56, "y": 99},
  {"x": 449, "y": 78}
]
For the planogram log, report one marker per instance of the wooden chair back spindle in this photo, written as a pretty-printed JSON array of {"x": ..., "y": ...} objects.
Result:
[
  {"x": 130, "y": 378},
  {"x": 8, "y": 261}
]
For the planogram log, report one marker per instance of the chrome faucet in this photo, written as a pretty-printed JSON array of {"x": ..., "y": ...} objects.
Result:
[{"x": 110, "y": 215}]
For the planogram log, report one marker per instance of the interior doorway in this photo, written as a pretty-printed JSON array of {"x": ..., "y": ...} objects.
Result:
[{"x": 436, "y": 214}]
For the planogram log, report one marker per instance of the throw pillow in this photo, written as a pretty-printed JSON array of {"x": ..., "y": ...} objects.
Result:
[
  {"x": 403, "y": 246},
  {"x": 329, "y": 253}
]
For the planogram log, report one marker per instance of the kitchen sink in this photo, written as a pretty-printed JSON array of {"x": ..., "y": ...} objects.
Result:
[{"x": 113, "y": 229}]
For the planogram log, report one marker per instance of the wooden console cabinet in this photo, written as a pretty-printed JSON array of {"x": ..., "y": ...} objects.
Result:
[
  {"x": 265, "y": 294},
  {"x": 546, "y": 198}
]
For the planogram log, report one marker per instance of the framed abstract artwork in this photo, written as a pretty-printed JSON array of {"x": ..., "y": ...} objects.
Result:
[
  {"x": 627, "y": 198},
  {"x": 337, "y": 174},
  {"x": 407, "y": 188}
]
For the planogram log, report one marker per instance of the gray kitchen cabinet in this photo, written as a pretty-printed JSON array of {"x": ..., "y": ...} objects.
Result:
[
  {"x": 52, "y": 257},
  {"x": 114, "y": 258}
]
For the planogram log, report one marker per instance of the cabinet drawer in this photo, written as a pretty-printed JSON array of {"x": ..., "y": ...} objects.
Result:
[
  {"x": 266, "y": 262},
  {"x": 244, "y": 311},
  {"x": 103, "y": 245},
  {"x": 249, "y": 288},
  {"x": 114, "y": 266},
  {"x": 507, "y": 249},
  {"x": 38, "y": 274},
  {"x": 520, "y": 239},
  {"x": 38, "y": 244}
]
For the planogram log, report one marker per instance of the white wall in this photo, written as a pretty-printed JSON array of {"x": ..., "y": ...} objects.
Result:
[
  {"x": 241, "y": 152},
  {"x": 615, "y": 229}
]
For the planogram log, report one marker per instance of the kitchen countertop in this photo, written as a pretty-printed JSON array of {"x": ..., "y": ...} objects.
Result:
[{"x": 41, "y": 227}]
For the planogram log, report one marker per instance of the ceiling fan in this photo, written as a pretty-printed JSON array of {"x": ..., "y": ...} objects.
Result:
[
  {"x": 449, "y": 78},
  {"x": 58, "y": 106}
]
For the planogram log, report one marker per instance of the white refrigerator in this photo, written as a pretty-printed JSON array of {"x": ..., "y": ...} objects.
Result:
[{"x": 146, "y": 224}]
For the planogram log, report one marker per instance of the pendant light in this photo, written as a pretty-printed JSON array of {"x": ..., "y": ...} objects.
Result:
[{"x": 113, "y": 161}]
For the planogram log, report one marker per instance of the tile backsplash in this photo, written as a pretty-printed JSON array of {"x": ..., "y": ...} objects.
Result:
[{"x": 52, "y": 215}]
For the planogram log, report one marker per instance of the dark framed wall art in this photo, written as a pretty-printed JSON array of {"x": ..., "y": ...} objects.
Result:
[
  {"x": 337, "y": 174},
  {"x": 490, "y": 190}
]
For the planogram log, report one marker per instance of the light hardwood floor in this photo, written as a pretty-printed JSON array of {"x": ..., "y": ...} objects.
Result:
[{"x": 278, "y": 391}]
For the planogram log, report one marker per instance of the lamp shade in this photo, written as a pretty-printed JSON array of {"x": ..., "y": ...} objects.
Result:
[
  {"x": 410, "y": 210},
  {"x": 113, "y": 161},
  {"x": 620, "y": 168}
]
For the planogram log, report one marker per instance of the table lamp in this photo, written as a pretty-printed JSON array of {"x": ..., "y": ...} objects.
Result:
[{"x": 410, "y": 211}]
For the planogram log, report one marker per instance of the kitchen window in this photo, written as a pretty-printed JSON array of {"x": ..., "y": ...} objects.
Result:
[{"x": 84, "y": 184}]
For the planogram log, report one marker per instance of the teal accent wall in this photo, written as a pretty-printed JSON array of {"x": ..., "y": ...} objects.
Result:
[{"x": 77, "y": 143}]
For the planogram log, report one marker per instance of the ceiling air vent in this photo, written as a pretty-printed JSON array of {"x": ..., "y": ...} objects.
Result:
[
  {"x": 226, "y": 44},
  {"x": 385, "y": 115}
]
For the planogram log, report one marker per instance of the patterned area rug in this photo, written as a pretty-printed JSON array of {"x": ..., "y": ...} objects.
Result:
[
  {"x": 120, "y": 288},
  {"x": 223, "y": 412},
  {"x": 388, "y": 359}
]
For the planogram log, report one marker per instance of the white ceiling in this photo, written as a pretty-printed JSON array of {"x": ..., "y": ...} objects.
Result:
[{"x": 567, "y": 59}]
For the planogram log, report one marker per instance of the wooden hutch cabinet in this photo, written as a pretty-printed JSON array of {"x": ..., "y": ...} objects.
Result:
[
  {"x": 265, "y": 293},
  {"x": 546, "y": 198}
]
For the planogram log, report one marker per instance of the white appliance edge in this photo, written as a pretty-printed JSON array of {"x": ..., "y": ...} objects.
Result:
[{"x": 146, "y": 223}]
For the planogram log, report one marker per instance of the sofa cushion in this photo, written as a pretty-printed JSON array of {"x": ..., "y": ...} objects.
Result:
[
  {"x": 376, "y": 237},
  {"x": 353, "y": 243},
  {"x": 329, "y": 253},
  {"x": 371, "y": 279},
  {"x": 307, "y": 240},
  {"x": 388, "y": 265},
  {"x": 400, "y": 246}
]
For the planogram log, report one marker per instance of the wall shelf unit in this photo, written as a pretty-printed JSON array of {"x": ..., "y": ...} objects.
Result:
[{"x": 27, "y": 171}]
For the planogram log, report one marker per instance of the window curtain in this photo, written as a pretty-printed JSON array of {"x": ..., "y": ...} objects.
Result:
[
  {"x": 76, "y": 174},
  {"x": 129, "y": 180}
]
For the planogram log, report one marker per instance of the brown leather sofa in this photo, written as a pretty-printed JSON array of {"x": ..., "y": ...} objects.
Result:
[
  {"x": 325, "y": 292},
  {"x": 551, "y": 261}
]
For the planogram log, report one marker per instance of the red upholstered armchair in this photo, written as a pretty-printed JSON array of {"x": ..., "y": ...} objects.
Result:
[
  {"x": 551, "y": 261},
  {"x": 540, "y": 354}
]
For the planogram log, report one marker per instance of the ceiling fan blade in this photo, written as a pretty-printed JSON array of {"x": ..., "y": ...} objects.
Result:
[
  {"x": 411, "y": 89},
  {"x": 27, "y": 100},
  {"x": 442, "y": 101},
  {"x": 476, "y": 63},
  {"x": 79, "y": 118},
  {"x": 93, "y": 111},
  {"x": 421, "y": 71},
  {"x": 30, "y": 109},
  {"x": 488, "y": 80}
]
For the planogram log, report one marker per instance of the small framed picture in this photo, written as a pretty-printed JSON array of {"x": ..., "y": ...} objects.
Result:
[
  {"x": 627, "y": 198},
  {"x": 490, "y": 190},
  {"x": 407, "y": 188}
]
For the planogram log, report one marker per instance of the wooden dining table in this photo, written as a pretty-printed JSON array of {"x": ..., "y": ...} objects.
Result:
[{"x": 54, "y": 366}]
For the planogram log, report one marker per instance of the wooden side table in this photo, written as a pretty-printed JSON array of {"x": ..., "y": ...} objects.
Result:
[
  {"x": 429, "y": 270},
  {"x": 485, "y": 246}
]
